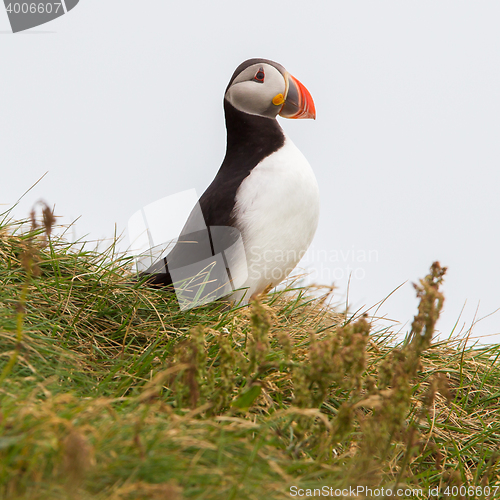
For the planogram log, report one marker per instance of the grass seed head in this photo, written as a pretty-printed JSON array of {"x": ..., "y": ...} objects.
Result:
[{"x": 77, "y": 458}]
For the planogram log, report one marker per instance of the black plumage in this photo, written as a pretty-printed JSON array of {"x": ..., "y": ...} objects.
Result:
[{"x": 250, "y": 139}]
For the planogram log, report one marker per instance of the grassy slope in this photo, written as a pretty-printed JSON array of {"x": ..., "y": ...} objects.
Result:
[{"x": 107, "y": 390}]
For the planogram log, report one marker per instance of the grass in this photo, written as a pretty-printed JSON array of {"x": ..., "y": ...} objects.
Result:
[{"x": 109, "y": 391}]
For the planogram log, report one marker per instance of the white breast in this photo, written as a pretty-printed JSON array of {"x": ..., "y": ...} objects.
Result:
[{"x": 277, "y": 210}]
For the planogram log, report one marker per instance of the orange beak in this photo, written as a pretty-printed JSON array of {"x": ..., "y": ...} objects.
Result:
[{"x": 299, "y": 102}]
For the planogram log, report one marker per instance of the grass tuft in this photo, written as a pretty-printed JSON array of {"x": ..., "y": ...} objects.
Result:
[{"x": 109, "y": 391}]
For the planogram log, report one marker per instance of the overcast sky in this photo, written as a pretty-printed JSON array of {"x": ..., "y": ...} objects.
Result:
[{"x": 121, "y": 103}]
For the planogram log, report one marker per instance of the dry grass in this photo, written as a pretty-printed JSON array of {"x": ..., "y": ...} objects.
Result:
[{"x": 108, "y": 391}]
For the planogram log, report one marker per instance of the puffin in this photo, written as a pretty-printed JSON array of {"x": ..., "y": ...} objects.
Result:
[{"x": 257, "y": 218}]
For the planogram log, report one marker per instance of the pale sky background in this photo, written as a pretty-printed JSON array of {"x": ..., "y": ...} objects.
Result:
[{"x": 121, "y": 102}]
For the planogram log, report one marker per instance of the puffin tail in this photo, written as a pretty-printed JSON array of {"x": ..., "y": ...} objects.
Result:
[
  {"x": 157, "y": 275},
  {"x": 158, "y": 280}
]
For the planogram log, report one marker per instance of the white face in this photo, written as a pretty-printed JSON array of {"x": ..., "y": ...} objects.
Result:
[{"x": 255, "y": 88}]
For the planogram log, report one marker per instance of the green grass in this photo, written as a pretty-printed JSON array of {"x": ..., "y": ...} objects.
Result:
[{"x": 109, "y": 391}]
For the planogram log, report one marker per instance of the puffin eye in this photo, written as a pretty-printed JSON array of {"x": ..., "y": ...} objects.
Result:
[{"x": 259, "y": 77}]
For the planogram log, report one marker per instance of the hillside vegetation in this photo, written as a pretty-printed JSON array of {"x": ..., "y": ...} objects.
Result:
[{"x": 109, "y": 391}]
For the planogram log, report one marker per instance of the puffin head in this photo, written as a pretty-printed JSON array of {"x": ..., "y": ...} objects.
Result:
[{"x": 265, "y": 88}]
